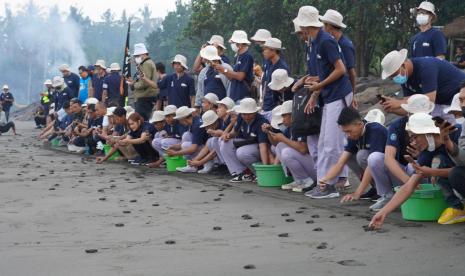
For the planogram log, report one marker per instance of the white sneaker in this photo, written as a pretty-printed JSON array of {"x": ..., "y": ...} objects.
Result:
[
  {"x": 72, "y": 148},
  {"x": 80, "y": 149},
  {"x": 380, "y": 203},
  {"x": 207, "y": 167},
  {"x": 291, "y": 186},
  {"x": 187, "y": 169},
  {"x": 306, "y": 183}
]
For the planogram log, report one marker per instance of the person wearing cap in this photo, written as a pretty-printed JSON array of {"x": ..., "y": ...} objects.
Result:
[
  {"x": 216, "y": 126},
  {"x": 46, "y": 97},
  {"x": 97, "y": 80},
  {"x": 209, "y": 102},
  {"x": 85, "y": 84},
  {"x": 259, "y": 38},
  {"x": 71, "y": 79},
  {"x": 246, "y": 143},
  {"x": 433, "y": 142},
  {"x": 107, "y": 122},
  {"x": 214, "y": 81},
  {"x": 292, "y": 151},
  {"x": 334, "y": 90},
  {"x": 112, "y": 87},
  {"x": 438, "y": 79},
  {"x": 62, "y": 92},
  {"x": 216, "y": 41},
  {"x": 7, "y": 100},
  {"x": 280, "y": 85},
  {"x": 430, "y": 41},
  {"x": 180, "y": 85},
  {"x": 272, "y": 53},
  {"x": 140, "y": 136},
  {"x": 192, "y": 140},
  {"x": 455, "y": 109},
  {"x": 173, "y": 128},
  {"x": 144, "y": 93},
  {"x": 158, "y": 121},
  {"x": 363, "y": 139},
  {"x": 332, "y": 21},
  {"x": 242, "y": 75}
]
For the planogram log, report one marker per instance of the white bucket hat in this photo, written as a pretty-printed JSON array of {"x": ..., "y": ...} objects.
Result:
[
  {"x": 183, "y": 112},
  {"x": 273, "y": 43},
  {"x": 392, "y": 62},
  {"x": 333, "y": 17},
  {"x": 375, "y": 116},
  {"x": 129, "y": 109},
  {"x": 110, "y": 111},
  {"x": 115, "y": 67},
  {"x": 261, "y": 35},
  {"x": 48, "y": 82},
  {"x": 64, "y": 67},
  {"x": 100, "y": 63},
  {"x": 239, "y": 36},
  {"x": 209, "y": 118},
  {"x": 427, "y": 6},
  {"x": 91, "y": 101},
  {"x": 180, "y": 59},
  {"x": 280, "y": 79},
  {"x": 140, "y": 49},
  {"x": 455, "y": 105},
  {"x": 228, "y": 102},
  {"x": 169, "y": 109},
  {"x": 5, "y": 87},
  {"x": 286, "y": 108},
  {"x": 308, "y": 17},
  {"x": 210, "y": 53},
  {"x": 296, "y": 28},
  {"x": 211, "y": 98},
  {"x": 247, "y": 106},
  {"x": 276, "y": 118},
  {"x": 418, "y": 103},
  {"x": 157, "y": 116},
  {"x": 217, "y": 40},
  {"x": 421, "y": 123},
  {"x": 58, "y": 81}
]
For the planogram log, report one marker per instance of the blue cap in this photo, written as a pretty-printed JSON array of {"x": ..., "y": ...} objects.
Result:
[{"x": 90, "y": 67}]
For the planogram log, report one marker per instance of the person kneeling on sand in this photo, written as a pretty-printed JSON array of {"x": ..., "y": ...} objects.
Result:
[{"x": 5, "y": 125}]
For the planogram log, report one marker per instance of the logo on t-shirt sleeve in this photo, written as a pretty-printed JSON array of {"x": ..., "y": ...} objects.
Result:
[{"x": 393, "y": 137}]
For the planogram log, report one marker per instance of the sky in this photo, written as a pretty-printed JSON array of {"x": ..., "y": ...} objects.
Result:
[{"x": 94, "y": 8}]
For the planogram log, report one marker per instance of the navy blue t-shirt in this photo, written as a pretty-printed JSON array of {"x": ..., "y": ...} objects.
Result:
[
  {"x": 67, "y": 120},
  {"x": 119, "y": 130},
  {"x": 146, "y": 127},
  {"x": 73, "y": 82},
  {"x": 225, "y": 59},
  {"x": 348, "y": 51},
  {"x": 224, "y": 123},
  {"x": 398, "y": 137},
  {"x": 214, "y": 84},
  {"x": 253, "y": 130},
  {"x": 6, "y": 96},
  {"x": 327, "y": 53},
  {"x": 426, "y": 158},
  {"x": 310, "y": 51},
  {"x": 271, "y": 98},
  {"x": 431, "y": 43},
  {"x": 96, "y": 122},
  {"x": 373, "y": 140},
  {"x": 180, "y": 90},
  {"x": 240, "y": 89},
  {"x": 199, "y": 135},
  {"x": 97, "y": 84},
  {"x": 432, "y": 74},
  {"x": 290, "y": 135},
  {"x": 61, "y": 97},
  {"x": 112, "y": 84}
]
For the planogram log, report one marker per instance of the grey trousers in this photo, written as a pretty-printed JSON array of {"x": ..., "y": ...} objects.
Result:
[
  {"x": 237, "y": 160},
  {"x": 299, "y": 165}
]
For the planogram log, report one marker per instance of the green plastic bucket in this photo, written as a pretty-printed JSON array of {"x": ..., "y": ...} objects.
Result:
[
  {"x": 107, "y": 148},
  {"x": 55, "y": 142},
  {"x": 173, "y": 162},
  {"x": 425, "y": 204},
  {"x": 271, "y": 175}
]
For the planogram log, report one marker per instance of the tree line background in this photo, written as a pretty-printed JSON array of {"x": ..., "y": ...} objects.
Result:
[{"x": 375, "y": 26}]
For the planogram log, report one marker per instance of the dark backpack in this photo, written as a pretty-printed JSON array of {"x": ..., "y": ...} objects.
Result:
[{"x": 304, "y": 124}]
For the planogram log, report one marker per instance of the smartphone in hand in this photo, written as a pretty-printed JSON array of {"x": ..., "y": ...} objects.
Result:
[{"x": 381, "y": 98}]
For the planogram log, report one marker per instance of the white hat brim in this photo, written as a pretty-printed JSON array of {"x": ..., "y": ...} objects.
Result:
[
  {"x": 190, "y": 111},
  {"x": 385, "y": 74},
  {"x": 328, "y": 21},
  {"x": 300, "y": 23},
  {"x": 274, "y": 86},
  {"x": 407, "y": 108},
  {"x": 241, "y": 111},
  {"x": 275, "y": 123}
]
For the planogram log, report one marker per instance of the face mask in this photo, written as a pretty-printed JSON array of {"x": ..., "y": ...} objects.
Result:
[
  {"x": 463, "y": 111},
  {"x": 431, "y": 144},
  {"x": 400, "y": 79},
  {"x": 422, "y": 19},
  {"x": 138, "y": 60},
  {"x": 461, "y": 120},
  {"x": 282, "y": 128},
  {"x": 234, "y": 47}
]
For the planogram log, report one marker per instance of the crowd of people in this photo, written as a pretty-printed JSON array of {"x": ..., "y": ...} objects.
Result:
[{"x": 230, "y": 114}]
